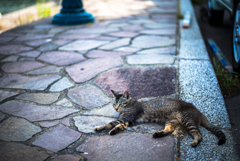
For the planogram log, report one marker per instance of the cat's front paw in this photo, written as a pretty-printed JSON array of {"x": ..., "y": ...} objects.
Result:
[
  {"x": 98, "y": 128},
  {"x": 113, "y": 132}
]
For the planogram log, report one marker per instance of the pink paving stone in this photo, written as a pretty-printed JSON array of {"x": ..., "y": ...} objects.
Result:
[
  {"x": 33, "y": 54},
  {"x": 105, "y": 38},
  {"x": 92, "y": 30},
  {"x": 76, "y": 36},
  {"x": 13, "y": 49},
  {"x": 36, "y": 42},
  {"x": 32, "y": 37},
  {"x": 6, "y": 39},
  {"x": 88, "y": 69},
  {"x": 139, "y": 82},
  {"x": 66, "y": 121},
  {"x": 35, "y": 112},
  {"x": 6, "y": 94},
  {"x": 24, "y": 82},
  {"x": 132, "y": 28},
  {"x": 116, "y": 44},
  {"x": 48, "y": 124},
  {"x": 88, "y": 96},
  {"x": 101, "y": 53},
  {"x": 21, "y": 67},
  {"x": 123, "y": 34},
  {"x": 61, "y": 57},
  {"x": 61, "y": 42},
  {"x": 27, "y": 59},
  {"x": 67, "y": 157},
  {"x": 57, "y": 139},
  {"x": 159, "y": 32}
]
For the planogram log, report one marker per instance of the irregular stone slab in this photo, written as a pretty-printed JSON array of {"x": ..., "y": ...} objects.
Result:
[
  {"x": 152, "y": 41},
  {"x": 75, "y": 36},
  {"x": 46, "y": 70},
  {"x": 57, "y": 139},
  {"x": 23, "y": 82},
  {"x": 86, "y": 124},
  {"x": 27, "y": 59},
  {"x": 67, "y": 157},
  {"x": 83, "y": 45},
  {"x": 147, "y": 128},
  {"x": 13, "y": 49},
  {"x": 92, "y": 30},
  {"x": 60, "y": 85},
  {"x": 139, "y": 82},
  {"x": 164, "y": 16},
  {"x": 36, "y": 42},
  {"x": 12, "y": 58},
  {"x": 61, "y": 58},
  {"x": 16, "y": 151},
  {"x": 132, "y": 28},
  {"x": 88, "y": 96},
  {"x": 48, "y": 47},
  {"x": 34, "y": 112},
  {"x": 116, "y": 147},
  {"x": 64, "y": 102},
  {"x": 163, "y": 50},
  {"x": 90, "y": 68},
  {"x": 6, "y": 39},
  {"x": 128, "y": 49},
  {"x": 21, "y": 67},
  {"x": 61, "y": 42},
  {"x": 33, "y": 54},
  {"x": 160, "y": 26},
  {"x": 150, "y": 59},
  {"x": 2, "y": 117},
  {"x": 115, "y": 44},
  {"x": 142, "y": 21},
  {"x": 40, "y": 98},
  {"x": 107, "y": 111},
  {"x": 105, "y": 38},
  {"x": 66, "y": 121},
  {"x": 16, "y": 129},
  {"x": 123, "y": 34},
  {"x": 159, "y": 32},
  {"x": 32, "y": 37},
  {"x": 101, "y": 53},
  {"x": 118, "y": 25},
  {"x": 6, "y": 94},
  {"x": 48, "y": 124}
]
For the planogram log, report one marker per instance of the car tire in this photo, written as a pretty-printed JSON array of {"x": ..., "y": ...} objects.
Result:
[
  {"x": 236, "y": 37},
  {"x": 215, "y": 16}
]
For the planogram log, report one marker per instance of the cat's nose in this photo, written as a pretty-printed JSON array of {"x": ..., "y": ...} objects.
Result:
[{"x": 116, "y": 108}]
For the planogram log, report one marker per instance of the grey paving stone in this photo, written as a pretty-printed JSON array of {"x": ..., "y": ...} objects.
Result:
[
  {"x": 6, "y": 39},
  {"x": 92, "y": 30},
  {"x": 127, "y": 49},
  {"x": 24, "y": 82},
  {"x": 33, "y": 54},
  {"x": 12, "y": 58},
  {"x": 65, "y": 103},
  {"x": 60, "y": 85},
  {"x": 13, "y": 49},
  {"x": 123, "y": 34},
  {"x": 162, "y": 50},
  {"x": 17, "y": 129},
  {"x": 137, "y": 81},
  {"x": 147, "y": 128},
  {"x": 48, "y": 47},
  {"x": 57, "y": 139},
  {"x": 77, "y": 36},
  {"x": 61, "y": 57},
  {"x": 90, "y": 68},
  {"x": 32, "y": 37},
  {"x": 49, "y": 124},
  {"x": 40, "y": 98},
  {"x": 86, "y": 124},
  {"x": 35, "y": 112},
  {"x": 66, "y": 157},
  {"x": 163, "y": 32},
  {"x": 26, "y": 59},
  {"x": 21, "y": 67},
  {"x": 88, "y": 96},
  {"x": 152, "y": 41},
  {"x": 162, "y": 10},
  {"x": 116, "y": 44},
  {"x": 106, "y": 38},
  {"x": 118, "y": 25},
  {"x": 163, "y": 16},
  {"x": 83, "y": 45},
  {"x": 20, "y": 152},
  {"x": 46, "y": 70},
  {"x": 66, "y": 121},
  {"x": 36, "y": 42},
  {"x": 107, "y": 111},
  {"x": 2, "y": 116},
  {"x": 132, "y": 28},
  {"x": 160, "y": 26},
  {"x": 101, "y": 53},
  {"x": 142, "y": 21},
  {"x": 6, "y": 94},
  {"x": 150, "y": 59},
  {"x": 60, "y": 42},
  {"x": 117, "y": 147}
]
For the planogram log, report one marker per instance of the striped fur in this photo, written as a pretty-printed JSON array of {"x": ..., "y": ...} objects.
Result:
[{"x": 171, "y": 111}]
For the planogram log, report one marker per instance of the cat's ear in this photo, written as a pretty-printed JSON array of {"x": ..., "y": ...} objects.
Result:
[
  {"x": 115, "y": 94},
  {"x": 126, "y": 95}
]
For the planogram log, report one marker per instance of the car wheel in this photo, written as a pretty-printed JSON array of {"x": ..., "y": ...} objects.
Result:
[
  {"x": 236, "y": 38},
  {"x": 215, "y": 16}
]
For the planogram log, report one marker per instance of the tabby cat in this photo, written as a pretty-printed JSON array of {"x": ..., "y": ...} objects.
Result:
[{"x": 171, "y": 111}]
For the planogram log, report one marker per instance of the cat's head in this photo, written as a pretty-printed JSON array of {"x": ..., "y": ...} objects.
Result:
[{"x": 120, "y": 101}]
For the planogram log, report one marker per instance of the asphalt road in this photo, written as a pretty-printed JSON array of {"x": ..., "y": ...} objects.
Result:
[{"x": 222, "y": 35}]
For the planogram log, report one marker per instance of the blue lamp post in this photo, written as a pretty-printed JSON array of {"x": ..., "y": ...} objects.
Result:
[{"x": 72, "y": 13}]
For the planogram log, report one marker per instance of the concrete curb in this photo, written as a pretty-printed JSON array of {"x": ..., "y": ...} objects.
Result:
[{"x": 198, "y": 84}]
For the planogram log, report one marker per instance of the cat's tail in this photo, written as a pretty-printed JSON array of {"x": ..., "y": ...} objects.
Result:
[{"x": 214, "y": 130}]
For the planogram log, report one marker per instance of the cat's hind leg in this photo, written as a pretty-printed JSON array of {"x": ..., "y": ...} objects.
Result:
[
  {"x": 110, "y": 125},
  {"x": 169, "y": 128}
]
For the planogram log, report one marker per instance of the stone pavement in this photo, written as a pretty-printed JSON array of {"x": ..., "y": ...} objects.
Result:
[{"x": 55, "y": 85}]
